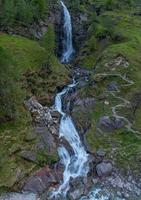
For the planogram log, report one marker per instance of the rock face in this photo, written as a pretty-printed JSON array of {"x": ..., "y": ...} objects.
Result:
[
  {"x": 43, "y": 116},
  {"x": 41, "y": 181},
  {"x": 119, "y": 61},
  {"x": 104, "y": 169},
  {"x": 83, "y": 104},
  {"x": 28, "y": 155}
]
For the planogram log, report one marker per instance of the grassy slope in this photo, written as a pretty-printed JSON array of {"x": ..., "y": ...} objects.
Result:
[
  {"x": 27, "y": 55},
  {"x": 124, "y": 147}
]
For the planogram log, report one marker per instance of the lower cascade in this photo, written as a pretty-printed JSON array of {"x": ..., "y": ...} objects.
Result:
[{"x": 76, "y": 164}]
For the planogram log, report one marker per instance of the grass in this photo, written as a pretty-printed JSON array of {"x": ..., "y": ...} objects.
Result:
[
  {"x": 28, "y": 57},
  {"x": 121, "y": 146},
  {"x": 27, "y": 54}
]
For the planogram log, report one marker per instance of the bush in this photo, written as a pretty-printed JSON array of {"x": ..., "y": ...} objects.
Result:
[
  {"x": 26, "y": 11},
  {"x": 9, "y": 88}
]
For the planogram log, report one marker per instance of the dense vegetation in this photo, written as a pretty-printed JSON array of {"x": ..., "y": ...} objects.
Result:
[
  {"x": 113, "y": 31},
  {"x": 24, "y": 11},
  {"x": 27, "y": 68}
]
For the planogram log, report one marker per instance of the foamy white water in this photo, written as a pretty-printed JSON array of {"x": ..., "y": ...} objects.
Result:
[
  {"x": 68, "y": 44},
  {"x": 101, "y": 194},
  {"x": 76, "y": 164}
]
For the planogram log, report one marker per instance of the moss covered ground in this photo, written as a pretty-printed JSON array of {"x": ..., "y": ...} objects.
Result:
[
  {"x": 116, "y": 33},
  {"x": 34, "y": 67}
]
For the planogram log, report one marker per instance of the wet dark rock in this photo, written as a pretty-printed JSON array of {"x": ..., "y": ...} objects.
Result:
[
  {"x": 104, "y": 169},
  {"x": 79, "y": 187},
  {"x": 107, "y": 123}
]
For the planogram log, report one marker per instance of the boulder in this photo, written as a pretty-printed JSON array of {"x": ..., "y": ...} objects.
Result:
[
  {"x": 28, "y": 155},
  {"x": 83, "y": 104},
  {"x": 100, "y": 153},
  {"x": 107, "y": 123},
  {"x": 104, "y": 169},
  {"x": 40, "y": 181},
  {"x": 79, "y": 187},
  {"x": 113, "y": 86}
]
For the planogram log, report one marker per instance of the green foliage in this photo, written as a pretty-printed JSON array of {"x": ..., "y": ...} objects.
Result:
[
  {"x": 43, "y": 158},
  {"x": 9, "y": 88},
  {"x": 17, "y": 54},
  {"x": 25, "y": 11},
  {"x": 21, "y": 58},
  {"x": 8, "y": 12},
  {"x": 49, "y": 40}
]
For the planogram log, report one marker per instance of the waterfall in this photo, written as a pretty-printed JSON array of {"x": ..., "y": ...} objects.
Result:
[
  {"x": 76, "y": 164},
  {"x": 68, "y": 46}
]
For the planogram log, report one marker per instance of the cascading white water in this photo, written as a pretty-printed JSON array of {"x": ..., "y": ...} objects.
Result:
[
  {"x": 76, "y": 164},
  {"x": 68, "y": 45}
]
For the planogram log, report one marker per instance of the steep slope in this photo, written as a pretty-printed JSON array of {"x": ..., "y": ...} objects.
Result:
[
  {"x": 112, "y": 51},
  {"x": 28, "y": 69}
]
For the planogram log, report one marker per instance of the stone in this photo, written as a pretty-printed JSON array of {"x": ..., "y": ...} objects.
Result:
[
  {"x": 113, "y": 86},
  {"x": 100, "y": 153},
  {"x": 104, "y": 169},
  {"x": 79, "y": 187},
  {"x": 28, "y": 155},
  {"x": 107, "y": 123},
  {"x": 43, "y": 116},
  {"x": 40, "y": 181},
  {"x": 83, "y": 104}
]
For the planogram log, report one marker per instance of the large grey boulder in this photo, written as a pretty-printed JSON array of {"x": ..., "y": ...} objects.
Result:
[
  {"x": 107, "y": 123},
  {"x": 104, "y": 169}
]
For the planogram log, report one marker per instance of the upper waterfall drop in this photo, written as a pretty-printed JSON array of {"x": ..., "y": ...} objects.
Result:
[{"x": 68, "y": 44}]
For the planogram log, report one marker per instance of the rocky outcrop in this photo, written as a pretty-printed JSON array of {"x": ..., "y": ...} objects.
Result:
[
  {"x": 41, "y": 181},
  {"x": 38, "y": 28},
  {"x": 109, "y": 124},
  {"x": 43, "y": 116},
  {"x": 119, "y": 61}
]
